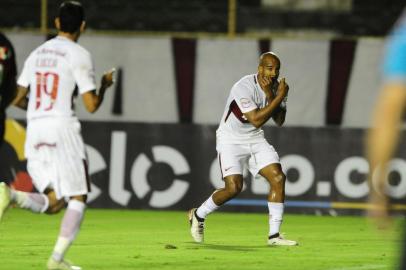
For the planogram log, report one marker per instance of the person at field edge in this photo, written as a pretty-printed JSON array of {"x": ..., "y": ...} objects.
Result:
[
  {"x": 383, "y": 137},
  {"x": 54, "y": 147},
  {"x": 8, "y": 73},
  {"x": 253, "y": 100}
]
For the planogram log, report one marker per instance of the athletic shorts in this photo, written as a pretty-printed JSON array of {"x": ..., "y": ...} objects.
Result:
[
  {"x": 56, "y": 156},
  {"x": 233, "y": 158}
]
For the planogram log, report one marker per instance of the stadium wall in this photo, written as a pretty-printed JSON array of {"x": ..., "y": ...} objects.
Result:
[
  {"x": 172, "y": 80},
  {"x": 158, "y": 124},
  {"x": 174, "y": 166}
]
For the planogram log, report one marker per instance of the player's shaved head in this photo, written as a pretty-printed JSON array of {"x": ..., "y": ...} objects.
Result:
[
  {"x": 268, "y": 66},
  {"x": 268, "y": 56}
]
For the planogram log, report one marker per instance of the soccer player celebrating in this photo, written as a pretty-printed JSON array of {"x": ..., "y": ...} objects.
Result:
[
  {"x": 54, "y": 146},
  {"x": 253, "y": 100}
]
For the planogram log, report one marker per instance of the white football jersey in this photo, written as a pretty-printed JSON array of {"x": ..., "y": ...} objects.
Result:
[
  {"x": 246, "y": 95},
  {"x": 52, "y": 72}
]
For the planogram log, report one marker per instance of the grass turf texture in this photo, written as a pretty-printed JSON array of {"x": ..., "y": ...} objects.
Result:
[{"x": 114, "y": 239}]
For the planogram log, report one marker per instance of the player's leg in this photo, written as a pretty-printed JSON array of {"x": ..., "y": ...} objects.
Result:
[
  {"x": 265, "y": 161},
  {"x": 74, "y": 214},
  {"x": 73, "y": 181},
  {"x": 4, "y": 198},
  {"x": 43, "y": 174},
  {"x": 69, "y": 229},
  {"x": 276, "y": 197},
  {"x": 276, "y": 178},
  {"x": 35, "y": 202},
  {"x": 55, "y": 204},
  {"x": 231, "y": 160},
  {"x": 233, "y": 186}
]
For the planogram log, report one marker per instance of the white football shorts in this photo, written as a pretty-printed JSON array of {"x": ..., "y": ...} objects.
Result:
[
  {"x": 56, "y": 156},
  {"x": 256, "y": 156}
]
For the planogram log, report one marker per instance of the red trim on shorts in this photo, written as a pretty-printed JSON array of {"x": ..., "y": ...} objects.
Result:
[
  {"x": 87, "y": 175},
  {"x": 221, "y": 167}
]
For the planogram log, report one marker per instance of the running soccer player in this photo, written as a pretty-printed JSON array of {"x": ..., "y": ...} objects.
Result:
[
  {"x": 253, "y": 100},
  {"x": 54, "y": 146}
]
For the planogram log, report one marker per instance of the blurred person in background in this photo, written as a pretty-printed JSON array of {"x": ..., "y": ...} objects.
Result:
[
  {"x": 8, "y": 73},
  {"x": 54, "y": 147},
  {"x": 383, "y": 137},
  {"x": 253, "y": 100}
]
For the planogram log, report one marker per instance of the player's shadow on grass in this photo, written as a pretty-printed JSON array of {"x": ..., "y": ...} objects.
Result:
[{"x": 227, "y": 247}]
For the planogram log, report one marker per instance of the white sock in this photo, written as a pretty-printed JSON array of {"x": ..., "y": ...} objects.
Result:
[
  {"x": 36, "y": 202},
  {"x": 275, "y": 217},
  {"x": 69, "y": 228},
  {"x": 207, "y": 207}
]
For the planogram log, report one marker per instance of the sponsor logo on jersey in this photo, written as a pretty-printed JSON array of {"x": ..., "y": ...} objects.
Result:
[{"x": 245, "y": 102}]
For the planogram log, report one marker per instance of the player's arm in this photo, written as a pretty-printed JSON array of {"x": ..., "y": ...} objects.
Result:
[
  {"x": 258, "y": 117},
  {"x": 383, "y": 138},
  {"x": 387, "y": 119},
  {"x": 93, "y": 100},
  {"x": 23, "y": 86},
  {"x": 382, "y": 141},
  {"x": 21, "y": 98},
  {"x": 279, "y": 115}
]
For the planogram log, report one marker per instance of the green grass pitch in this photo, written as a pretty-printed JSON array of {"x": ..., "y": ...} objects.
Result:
[{"x": 114, "y": 239}]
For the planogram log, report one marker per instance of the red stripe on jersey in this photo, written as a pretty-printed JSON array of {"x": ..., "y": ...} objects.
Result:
[
  {"x": 39, "y": 145},
  {"x": 236, "y": 111}
]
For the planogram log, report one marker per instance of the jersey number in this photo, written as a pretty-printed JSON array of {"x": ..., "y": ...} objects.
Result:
[{"x": 47, "y": 84}]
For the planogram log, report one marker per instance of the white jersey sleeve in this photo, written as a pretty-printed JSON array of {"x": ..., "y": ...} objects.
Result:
[
  {"x": 243, "y": 96},
  {"x": 83, "y": 72}
]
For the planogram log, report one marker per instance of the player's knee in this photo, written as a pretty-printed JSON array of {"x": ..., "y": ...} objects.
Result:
[
  {"x": 51, "y": 211},
  {"x": 279, "y": 179},
  {"x": 52, "y": 201},
  {"x": 81, "y": 198},
  {"x": 55, "y": 207},
  {"x": 234, "y": 189}
]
